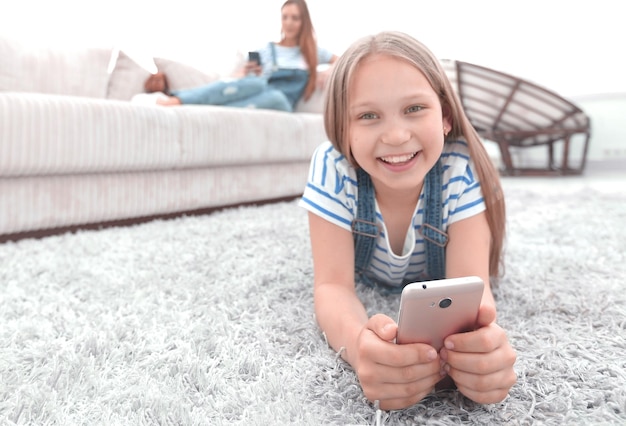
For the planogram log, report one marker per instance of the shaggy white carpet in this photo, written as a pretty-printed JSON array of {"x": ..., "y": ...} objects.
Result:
[{"x": 209, "y": 320}]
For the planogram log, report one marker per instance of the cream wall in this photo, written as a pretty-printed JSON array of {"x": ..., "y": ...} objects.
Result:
[
  {"x": 570, "y": 46},
  {"x": 608, "y": 132}
]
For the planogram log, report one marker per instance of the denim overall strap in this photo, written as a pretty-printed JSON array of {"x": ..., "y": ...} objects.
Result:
[
  {"x": 435, "y": 239},
  {"x": 290, "y": 81},
  {"x": 365, "y": 230},
  {"x": 273, "y": 49},
  {"x": 364, "y": 227}
]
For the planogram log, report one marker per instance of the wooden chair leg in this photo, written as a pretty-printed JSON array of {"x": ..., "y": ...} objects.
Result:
[
  {"x": 506, "y": 156},
  {"x": 565, "y": 161},
  {"x": 551, "y": 156}
]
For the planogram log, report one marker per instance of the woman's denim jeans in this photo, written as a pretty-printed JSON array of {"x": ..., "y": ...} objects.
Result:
[{"x": 247, "y": 92}]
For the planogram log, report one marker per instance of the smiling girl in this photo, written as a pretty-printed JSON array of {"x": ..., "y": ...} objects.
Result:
[{"x": 391, "y": 112}]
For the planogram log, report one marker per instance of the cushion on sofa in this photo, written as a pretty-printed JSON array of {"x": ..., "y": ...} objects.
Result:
[
  {"x": 183, "y": 76},
  {"x": 127, "y": 78},
  {"x": 246, "y": 136},
  {"x": 76, "y": 72},
  {"x": 315, "y": 104}
]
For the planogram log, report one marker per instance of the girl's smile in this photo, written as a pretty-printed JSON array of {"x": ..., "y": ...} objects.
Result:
[
  {"x": 399, "y": 163},
  {"x": 397, "y": 159}
]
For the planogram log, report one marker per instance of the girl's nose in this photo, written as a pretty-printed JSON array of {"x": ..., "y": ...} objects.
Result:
[{"x": 395, "y": 133}]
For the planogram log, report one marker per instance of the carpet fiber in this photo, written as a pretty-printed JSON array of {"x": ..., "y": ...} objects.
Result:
[{"x": 209, "y": 320}]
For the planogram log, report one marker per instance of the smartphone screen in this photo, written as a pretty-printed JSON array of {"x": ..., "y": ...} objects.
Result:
[{"x": 254, "y": 57}]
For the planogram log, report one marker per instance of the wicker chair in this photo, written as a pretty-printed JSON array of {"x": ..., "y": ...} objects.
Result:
[{"x": 517, "y": 114}]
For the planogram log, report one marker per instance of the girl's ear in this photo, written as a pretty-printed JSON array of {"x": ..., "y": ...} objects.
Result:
[{"x": 447, "y": 116}]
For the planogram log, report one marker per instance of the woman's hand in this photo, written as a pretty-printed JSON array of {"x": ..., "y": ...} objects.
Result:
[
  {"x": 252, "y": 67},
  {"x": 398, "y": 376},
  {"x": 481, "y": 362}
]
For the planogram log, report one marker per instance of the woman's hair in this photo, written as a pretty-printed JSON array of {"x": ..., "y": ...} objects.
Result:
[
  {"x": 307, "y": 42},
  {"x": 405, "y": 47}
]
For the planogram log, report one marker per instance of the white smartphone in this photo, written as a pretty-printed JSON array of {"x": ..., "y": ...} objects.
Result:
[{"x": 430, "y": 311}]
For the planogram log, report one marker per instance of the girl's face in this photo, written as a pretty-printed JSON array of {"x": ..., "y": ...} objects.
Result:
[
  {"x": 291, "y": 22},
  {"x": 396, "y": 123}
]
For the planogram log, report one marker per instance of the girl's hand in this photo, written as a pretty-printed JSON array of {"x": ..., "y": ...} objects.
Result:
[
  {"x": 481, "y": 362},
  {"x": 398, "y": 376}
]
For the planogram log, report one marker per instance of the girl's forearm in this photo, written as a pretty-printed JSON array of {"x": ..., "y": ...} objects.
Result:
[{"x": 341, "y": 316}]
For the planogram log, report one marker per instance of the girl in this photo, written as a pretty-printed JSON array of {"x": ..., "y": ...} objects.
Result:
[
  {"x": 391, "y": 111},
  {"x": 286, "y": 72}
]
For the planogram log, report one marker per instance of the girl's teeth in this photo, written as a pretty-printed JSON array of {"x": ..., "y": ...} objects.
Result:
[{"x": 398, "y": 158}]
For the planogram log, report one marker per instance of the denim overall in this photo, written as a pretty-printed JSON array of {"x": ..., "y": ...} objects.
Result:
[
  {"x": 365, "y": 230},
  {"x": 291, "y": 82}
]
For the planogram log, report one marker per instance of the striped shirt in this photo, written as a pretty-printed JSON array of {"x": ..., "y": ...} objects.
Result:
[{"x": 332, "y": 190}]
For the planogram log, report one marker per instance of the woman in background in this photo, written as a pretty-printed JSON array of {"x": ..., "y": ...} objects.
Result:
[{"x": 286, "y": 71}]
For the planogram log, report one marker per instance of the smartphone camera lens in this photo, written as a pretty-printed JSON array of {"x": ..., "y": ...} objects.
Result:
[{"x": 444, "y": 303}]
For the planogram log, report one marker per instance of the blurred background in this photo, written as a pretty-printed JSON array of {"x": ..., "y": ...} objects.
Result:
[{"x": 574, "y": 47}]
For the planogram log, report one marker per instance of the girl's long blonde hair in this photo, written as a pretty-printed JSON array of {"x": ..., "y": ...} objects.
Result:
[
  {"x": 307, "y": 43},
  {"x": 405, "y": 47}
]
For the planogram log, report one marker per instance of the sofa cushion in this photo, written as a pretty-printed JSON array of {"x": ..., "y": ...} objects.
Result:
[
  {"x": 182, "y": 76},
  {"x": 77, "y": 72},
  {"x": 53, "y": 134},
  {"x": 315, "y": 104},
  {"x": 127, "y": 78},
  {"x": 222, "y": 136}
]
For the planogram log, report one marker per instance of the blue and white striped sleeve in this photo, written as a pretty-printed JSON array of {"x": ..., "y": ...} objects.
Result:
[
  {"x": 331, "y": 187},
  {"x": 464, "y": 197}
]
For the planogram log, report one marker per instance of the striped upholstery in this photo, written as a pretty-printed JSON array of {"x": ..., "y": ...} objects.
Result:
[
  {"x": 44, "y": 202},
  {"x": 71, "y": 160},
  {"x": 52, "y": 134}
]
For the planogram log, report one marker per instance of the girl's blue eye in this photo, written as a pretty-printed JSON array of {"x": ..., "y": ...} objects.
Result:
[
  {"x": 367, "y": 116},
  {"x": 414, "y": 108}
]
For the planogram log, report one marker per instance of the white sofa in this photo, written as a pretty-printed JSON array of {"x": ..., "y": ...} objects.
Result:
[{"x": 75, "y": 151}]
